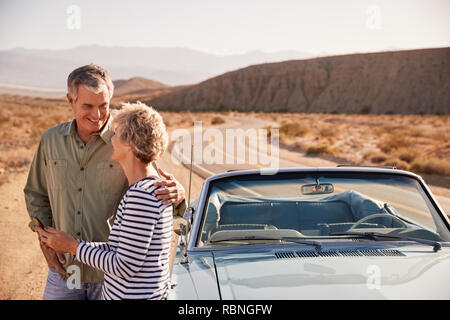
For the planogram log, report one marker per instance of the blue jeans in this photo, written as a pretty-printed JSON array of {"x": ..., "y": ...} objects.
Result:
[{"x": 56, "y": 289}]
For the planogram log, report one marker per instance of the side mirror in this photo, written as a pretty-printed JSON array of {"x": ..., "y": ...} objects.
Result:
[{"x": 181, "y": 230}]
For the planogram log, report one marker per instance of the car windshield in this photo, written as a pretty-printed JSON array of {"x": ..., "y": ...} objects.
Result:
[{"x": 262, "y": 208}]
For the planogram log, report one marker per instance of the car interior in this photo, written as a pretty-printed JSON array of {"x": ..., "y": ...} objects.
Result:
[{"x": 315, "y": 216}]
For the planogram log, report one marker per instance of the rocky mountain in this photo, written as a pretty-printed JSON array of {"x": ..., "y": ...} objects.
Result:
[
  {"x": 137, "y": 88},
  {"x": 136, "y": 85},
  {"x": 411, "y": 81}
]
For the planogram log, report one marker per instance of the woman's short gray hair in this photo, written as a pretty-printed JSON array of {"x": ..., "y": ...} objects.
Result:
[
  {"x": 94, "y": 77},
  {"x": 143, "y": 128}
]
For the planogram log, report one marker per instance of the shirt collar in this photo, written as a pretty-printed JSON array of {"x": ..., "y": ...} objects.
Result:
[
  {"x": 69, "y": 128},
  {"x": 107, "y": 131}
]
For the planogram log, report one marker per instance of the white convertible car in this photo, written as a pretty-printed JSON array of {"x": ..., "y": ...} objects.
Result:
[{"x": 316, "y": 233}]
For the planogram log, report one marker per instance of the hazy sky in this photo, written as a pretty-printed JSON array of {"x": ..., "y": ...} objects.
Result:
[{"x": 228, "y": 26}]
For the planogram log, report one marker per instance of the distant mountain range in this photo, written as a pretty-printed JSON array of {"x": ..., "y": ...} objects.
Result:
[
  {"x": 410, "y": 81},
  {"x": 172, "y": 66}
]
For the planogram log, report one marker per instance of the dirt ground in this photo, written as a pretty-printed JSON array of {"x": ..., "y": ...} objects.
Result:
[{"x": 23, "y": 269}]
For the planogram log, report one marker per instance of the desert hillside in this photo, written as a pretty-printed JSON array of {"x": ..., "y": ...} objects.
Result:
[
  {"x": 413, "y": 81},
  {"x": 136, "y": 85},
  {"x": 138, "y": 88}
]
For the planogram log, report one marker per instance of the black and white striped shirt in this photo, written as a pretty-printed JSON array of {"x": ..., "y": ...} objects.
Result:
[{"x": 135, "y": 259}]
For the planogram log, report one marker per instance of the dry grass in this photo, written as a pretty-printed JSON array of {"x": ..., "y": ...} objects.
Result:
[
  {"x": 176, "y": 120},
  {"x": 419, "y": 143},
  {"x": 292, "y": 129},
  {"x": 411, "y": 142},
  {"x": 22, "y": 122}
]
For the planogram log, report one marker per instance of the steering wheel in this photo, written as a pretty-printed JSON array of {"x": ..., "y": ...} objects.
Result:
[{"x": 377, "y": 215}]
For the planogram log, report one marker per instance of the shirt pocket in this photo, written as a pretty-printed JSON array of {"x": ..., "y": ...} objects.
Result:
[
  {"x": 111, "y": 177},
  {"x": 57, "y": 171}
]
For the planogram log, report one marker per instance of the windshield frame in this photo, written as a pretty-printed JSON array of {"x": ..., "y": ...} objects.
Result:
[{"x": 200, "y": 211}]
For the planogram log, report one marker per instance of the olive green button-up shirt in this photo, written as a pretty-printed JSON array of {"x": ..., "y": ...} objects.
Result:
[{"x": 75, "y": 187}]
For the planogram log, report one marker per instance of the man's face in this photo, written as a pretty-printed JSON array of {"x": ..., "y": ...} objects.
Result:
[{"x": 91, "y": 110}]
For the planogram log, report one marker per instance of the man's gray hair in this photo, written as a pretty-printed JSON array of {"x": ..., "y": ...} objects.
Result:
[{"x": 94, "y": 77}]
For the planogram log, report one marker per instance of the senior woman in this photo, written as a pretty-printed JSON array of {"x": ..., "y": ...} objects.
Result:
[{"x": 135, "y": 259}]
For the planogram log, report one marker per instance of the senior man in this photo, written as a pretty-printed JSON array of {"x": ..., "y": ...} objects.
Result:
[{"x": 74, "y": 186}]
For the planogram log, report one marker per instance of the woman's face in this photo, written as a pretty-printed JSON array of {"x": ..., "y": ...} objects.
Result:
[{"x": 120, "y": 148}]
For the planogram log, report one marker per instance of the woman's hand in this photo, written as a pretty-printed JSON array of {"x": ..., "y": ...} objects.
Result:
[
  {"x": 58, "y": 240},
  {"x": 172, "y": 191}
]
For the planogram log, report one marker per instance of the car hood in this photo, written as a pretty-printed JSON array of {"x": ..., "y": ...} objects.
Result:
[{"x": 415, "y": 273}]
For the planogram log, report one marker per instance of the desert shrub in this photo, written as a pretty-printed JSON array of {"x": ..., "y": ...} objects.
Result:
[
  {"x": 4, "y": 116},
  {"x": 418, "y": 165},
  {"x": 416, "y": 133},
  {"x": 292, "y": 129},
  {"x": 378, "y": 131},
  {"x": 407, "y": 154},
  {"x": 320, "y": 149},
  {"x": 327, "y": 132},
  {"x": 431, "y": 166},
  {"x": 217, "y": 120},
  {"x": 437, "y": 166},
  {"x": 392, "y": 143},
  {"x": 375, "y": 156}
]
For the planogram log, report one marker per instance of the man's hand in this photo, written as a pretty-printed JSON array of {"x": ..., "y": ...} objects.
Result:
[
  {"x": 54, "y": 259},
  {"x": 172, "y": 191}
]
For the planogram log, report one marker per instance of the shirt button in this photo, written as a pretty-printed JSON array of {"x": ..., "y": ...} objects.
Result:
[
  {"x": 78, "y": 233},
  {"x": 79, "y": 189},
  {"x": 82, "y": 169},
  {"x": 78, "y": 212}
]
